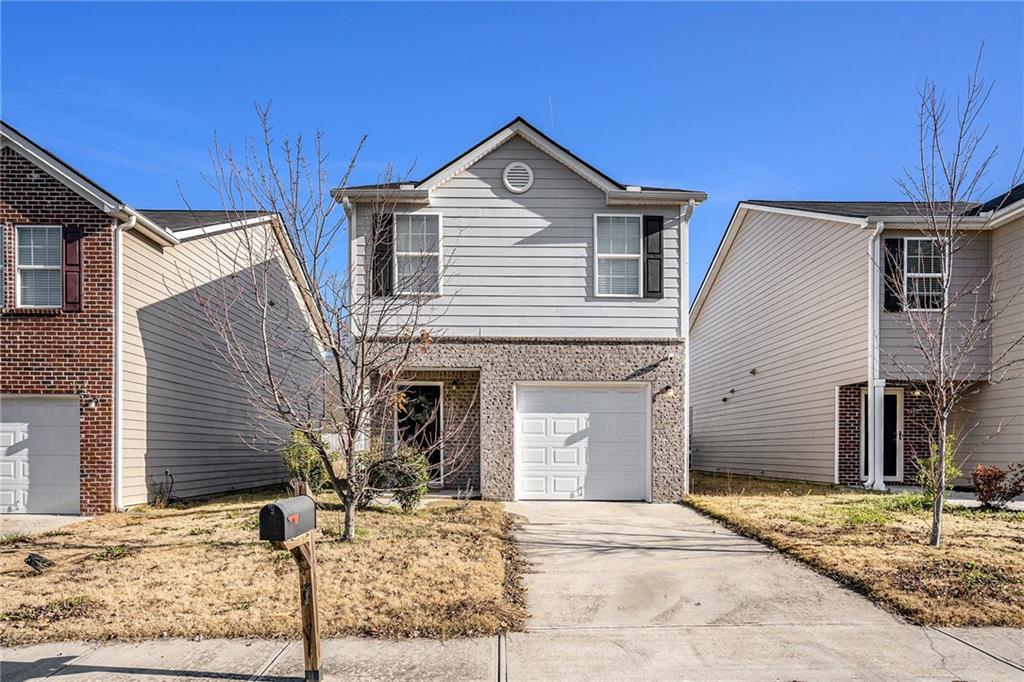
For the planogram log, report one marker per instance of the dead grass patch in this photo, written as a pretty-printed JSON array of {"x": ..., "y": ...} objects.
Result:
[
  {"x": 448, "y": 570},
  {"x": 878, "y": 544}
]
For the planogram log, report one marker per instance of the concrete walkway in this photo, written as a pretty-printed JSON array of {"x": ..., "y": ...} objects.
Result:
[{"x": 617, "y": 592}]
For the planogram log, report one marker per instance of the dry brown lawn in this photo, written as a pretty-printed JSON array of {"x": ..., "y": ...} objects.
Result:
[
  {"x": 878, "y": 544},
  {"x": 447, "y": 570}
]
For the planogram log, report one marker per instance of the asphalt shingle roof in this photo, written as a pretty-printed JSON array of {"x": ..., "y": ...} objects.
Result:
[
  {"x": 853, "y": 209},
  {"x": 177, "y": 220}
]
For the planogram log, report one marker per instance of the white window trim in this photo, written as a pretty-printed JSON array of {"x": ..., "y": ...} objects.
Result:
[
  {"x": 898, "y": 392},
  {"x": 907, "y": 276},
  {"x": 639, "y": 257},
  {"x": 440, "y": 424},
  {"x": 439, "y": 254},
  {"x": 18, "y": 267}
]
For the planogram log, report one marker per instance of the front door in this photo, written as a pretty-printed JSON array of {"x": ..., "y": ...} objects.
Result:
[
  {"x": 420, "y": 422},
  {"x": 890, "y": 437}
]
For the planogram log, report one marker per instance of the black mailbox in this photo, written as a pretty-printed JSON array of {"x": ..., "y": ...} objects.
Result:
[{"x": 286, "y": 519}]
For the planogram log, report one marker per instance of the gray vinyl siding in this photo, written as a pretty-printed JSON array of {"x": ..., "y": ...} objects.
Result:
[
  {"x": 521, "y": 265},
  {"x": 994, "y": 418},
  {"x": 790, "y": 301},
  {"x": 898, "y": 353},
  {"x": 184, "y": 409}
]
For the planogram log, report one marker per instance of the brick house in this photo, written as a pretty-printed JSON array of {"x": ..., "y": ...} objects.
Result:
[{"x": 99, "y": 400}]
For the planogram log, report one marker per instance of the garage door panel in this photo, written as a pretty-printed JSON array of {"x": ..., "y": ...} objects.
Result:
[
  {"x": 39, "y": 455},
  {"x": 582, "y": 442}
]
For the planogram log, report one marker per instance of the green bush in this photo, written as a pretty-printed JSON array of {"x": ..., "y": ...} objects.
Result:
[
  {"x": 302, "y": 459},
  {"x": 405, "y": 474}
]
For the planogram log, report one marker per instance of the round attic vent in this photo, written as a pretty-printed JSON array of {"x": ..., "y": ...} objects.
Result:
[{"x": 518, "y": 177}]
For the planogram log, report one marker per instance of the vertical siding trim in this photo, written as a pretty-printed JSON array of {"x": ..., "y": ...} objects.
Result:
[
  {"x": 836, "y": 477},
  {"x": 684, "y": 329}
]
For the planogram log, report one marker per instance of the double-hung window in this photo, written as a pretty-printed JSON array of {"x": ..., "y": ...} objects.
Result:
[
  {"x": 418, "y": 253},
  {"x": 922, "y": 273},
  {"x": 38, "y": 265},
  {"x": 617, "y": 255}
]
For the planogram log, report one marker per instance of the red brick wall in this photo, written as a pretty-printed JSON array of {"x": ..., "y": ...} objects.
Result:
[
  {"x": 916, "y": 426},
  {"x": 53, "y": 352}
]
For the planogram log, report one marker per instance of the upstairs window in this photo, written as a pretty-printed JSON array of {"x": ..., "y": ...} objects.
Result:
[
  {"x": 617, "y": 240},
  {"x": 38, "y": 266},
  {"x": 418, "y": 253},
  {"x": 922, "y": 274}
]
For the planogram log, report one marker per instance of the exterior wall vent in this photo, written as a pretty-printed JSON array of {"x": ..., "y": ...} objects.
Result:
[{"x": 518, "y": 177}]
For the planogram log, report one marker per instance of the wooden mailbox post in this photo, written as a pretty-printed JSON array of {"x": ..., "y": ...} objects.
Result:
[{"x": 291, "y": 524}]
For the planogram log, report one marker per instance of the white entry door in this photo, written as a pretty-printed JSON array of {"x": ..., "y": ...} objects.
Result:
[
  {"x": 39, "y": 441},
  {"x": 582, "y": 442}
]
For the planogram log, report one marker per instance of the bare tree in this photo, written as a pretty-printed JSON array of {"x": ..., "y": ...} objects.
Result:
[
  {"x": 950, "y": 318},
  {"x": 334, "y": 369}
]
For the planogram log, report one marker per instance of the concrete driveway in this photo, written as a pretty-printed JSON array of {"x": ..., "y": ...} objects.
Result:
[
  {"x": 639, "y": 591},
  {"x": 618, "y": 592}
]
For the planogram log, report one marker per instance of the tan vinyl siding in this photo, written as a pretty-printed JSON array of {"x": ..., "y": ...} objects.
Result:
[
  {"x": 522, "y": 264},
  {"x": 995, "y": 416},
  {"x": 184, "y": 408},
  {"x": 898, "y": 352},
  {"x": 790, "y": 302}
]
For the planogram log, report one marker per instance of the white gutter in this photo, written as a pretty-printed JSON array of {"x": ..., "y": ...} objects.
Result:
[
  {"x": 143, "y": 224},
  {"x": 119, "y": 230},
  {"x": 685, "y": 212},
  {"x": 876, "y": 384}
]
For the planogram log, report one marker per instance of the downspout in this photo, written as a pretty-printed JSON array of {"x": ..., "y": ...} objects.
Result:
[
  {"x": 875, "y": 455},
  {"x": 685, "y": 211},
  {"x": 119, "y": 230}
]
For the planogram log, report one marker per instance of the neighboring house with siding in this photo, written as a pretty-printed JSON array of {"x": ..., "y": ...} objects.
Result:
[
  {"x": 794, "y": 321},
  {"x": 557, "y": 297},
  {"x": 110, "y": 373}
]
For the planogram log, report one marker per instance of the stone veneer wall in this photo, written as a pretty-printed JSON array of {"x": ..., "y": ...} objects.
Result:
[
  {"x": 504, "y": 362},
  {"x": 461, "y": 424},
  {"x": 916, "y": 426}
]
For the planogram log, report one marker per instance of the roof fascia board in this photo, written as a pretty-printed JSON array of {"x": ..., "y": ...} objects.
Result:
[
  {"x": 207, "y": 230},
  {"x": 504, "y": 135},
  {"x": 1006, "y": 214},
  {"x": 653, "y": 197},
  {"x": 396, "y": 196},
  {"x": 976, "y": 222},
  {"x": 859, "y": 222}
]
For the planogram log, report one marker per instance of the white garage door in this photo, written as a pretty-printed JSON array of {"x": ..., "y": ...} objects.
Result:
[
  {"x": 39, "y": 455},
  {"x": 582, "y": 442}
]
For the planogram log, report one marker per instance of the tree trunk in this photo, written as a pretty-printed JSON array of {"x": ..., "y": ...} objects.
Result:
[
  {"x": 940, "y": 492},
  {"x": 350, "y": 522}
]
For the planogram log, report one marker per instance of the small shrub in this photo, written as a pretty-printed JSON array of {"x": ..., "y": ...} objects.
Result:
[
  {"x": 994, "y": 487},
  {"x": 162, "y": 489},
  {"x": 928, "y": 469},
  {"x": 303, "y": 461},
  {"x": 9, "y": 539},
  {"x": 405, "y": 474},
  {"x": 112, "y": 553}
]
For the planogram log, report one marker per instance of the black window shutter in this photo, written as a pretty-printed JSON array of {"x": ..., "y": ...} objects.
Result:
[
  {"x": 893, "y": 274},
  {"x": 71, "y": 269},
  {"x": 383, "y": 237},
  {"x": 654, "y": 257}
]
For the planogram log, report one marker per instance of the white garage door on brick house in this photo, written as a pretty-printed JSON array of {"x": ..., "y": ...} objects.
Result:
[
  {"x": 39, "y": 454},
  {"x": 582, "y": 441}
]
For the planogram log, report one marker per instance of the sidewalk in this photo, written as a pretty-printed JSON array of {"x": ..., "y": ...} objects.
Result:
[{"x": 734, "y": 652}]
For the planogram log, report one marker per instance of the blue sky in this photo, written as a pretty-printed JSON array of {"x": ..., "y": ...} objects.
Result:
[{"x": 806, "y": 100}]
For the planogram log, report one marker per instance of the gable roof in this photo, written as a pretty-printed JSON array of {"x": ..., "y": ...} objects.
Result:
[
  {"x": 79, "y": 183},
  {"x": 1006, "y": 206},
  {"x": 520, "y": 127}
]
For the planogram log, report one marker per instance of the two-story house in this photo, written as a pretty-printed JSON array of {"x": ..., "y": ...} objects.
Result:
[
  {"x": 110, "y": 373},
  {"x": 556, "y": 297},
  {"x": 801, "y": 346}
]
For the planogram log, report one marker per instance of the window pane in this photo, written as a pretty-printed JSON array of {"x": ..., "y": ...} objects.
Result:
[
  {"x": 416, "y": 274},
  {"x": 39, "y": 246},
  {"x": 924, "y": 292},
  {"x": 40, "y": 288},
  {"x": 923, "y": 257},
  {"x": 416, "y": 234},
  {"x": 618, "y": 235},
  {"x": 618, "y": 276}
]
